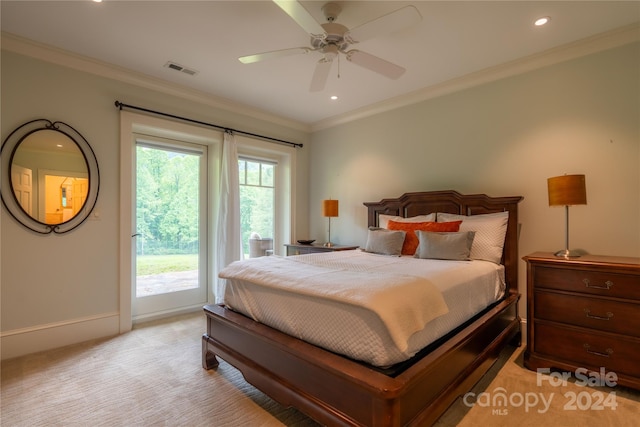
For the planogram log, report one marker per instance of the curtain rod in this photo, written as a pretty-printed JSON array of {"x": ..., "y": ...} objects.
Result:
[{"x": 121, "y": 105}]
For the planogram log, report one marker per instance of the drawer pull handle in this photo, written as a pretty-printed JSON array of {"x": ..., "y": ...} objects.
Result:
[
  {"x": 608, "y": 316},
  {"x": 607, "y": 285},
  {"x": 608, "y": 353}
]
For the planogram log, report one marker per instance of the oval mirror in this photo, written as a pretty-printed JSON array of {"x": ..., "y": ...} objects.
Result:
[{"x": 51, "y": 174}]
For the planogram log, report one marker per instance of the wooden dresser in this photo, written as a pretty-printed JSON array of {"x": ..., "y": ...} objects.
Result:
[{"x": 584, "y": 313}]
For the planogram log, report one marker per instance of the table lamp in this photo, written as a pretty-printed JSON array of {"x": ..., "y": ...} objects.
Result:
[
  {"x": 567, "y": 190},
  {"x": 329, "y": 209}
]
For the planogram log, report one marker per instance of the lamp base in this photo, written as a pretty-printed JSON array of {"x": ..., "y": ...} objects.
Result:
[{"x": 569, "y": 253}]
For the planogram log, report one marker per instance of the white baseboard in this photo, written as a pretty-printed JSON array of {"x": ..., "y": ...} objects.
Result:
[
  {"x": 523, "y": 330},
  {"x": 167, "y": 313},
  {"x": 20, "y": 342}
]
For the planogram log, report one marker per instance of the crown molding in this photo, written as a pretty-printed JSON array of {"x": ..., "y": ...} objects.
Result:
[
  {"x": 599, "y": 42},
  {"x": 583, "y": 47},
  {"x": 16, "y": 44}
]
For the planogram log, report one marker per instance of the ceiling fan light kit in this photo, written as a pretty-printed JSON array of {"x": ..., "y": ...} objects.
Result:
[
  {"x": 331, "y": 11},
  {"x": 331, "y": 39}
]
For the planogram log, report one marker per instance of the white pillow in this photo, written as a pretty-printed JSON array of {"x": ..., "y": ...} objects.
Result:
[
  {"x": 490, "y": 229},
  {"x": 383, "y": 220}
]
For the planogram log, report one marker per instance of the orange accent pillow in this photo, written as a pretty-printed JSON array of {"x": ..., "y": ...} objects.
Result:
[{"x": 411, "y": 239}]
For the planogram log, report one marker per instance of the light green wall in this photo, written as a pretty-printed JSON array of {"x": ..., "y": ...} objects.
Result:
[
  {"x": 57, "y": 279},
  {"x": 504, "y": 138}
]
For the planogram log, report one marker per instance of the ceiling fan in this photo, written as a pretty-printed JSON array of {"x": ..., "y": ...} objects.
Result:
[{"x": 332, "y": 39}]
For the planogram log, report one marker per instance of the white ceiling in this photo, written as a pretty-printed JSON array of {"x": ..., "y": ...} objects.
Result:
[{"x": 454, "y": 39}]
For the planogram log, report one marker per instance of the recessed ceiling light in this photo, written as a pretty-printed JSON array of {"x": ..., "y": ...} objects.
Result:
[
  {"x": 334, "y": 97},
  {"x": 542, "y": 21}
]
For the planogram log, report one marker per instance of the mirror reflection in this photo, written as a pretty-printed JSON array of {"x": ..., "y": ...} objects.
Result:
[{"x": 49, "y": 177}]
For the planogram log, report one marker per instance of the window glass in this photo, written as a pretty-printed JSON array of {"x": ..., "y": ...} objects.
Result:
[
  {"x": 257, "y": 209},
  {"x": 267, "y": 175},
  {"x": 253, "y": 173},
  {"x": 242, "y": 166}
]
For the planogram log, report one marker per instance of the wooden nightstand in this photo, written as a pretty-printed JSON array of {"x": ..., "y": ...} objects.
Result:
[
  {"x": 584, "y": 313},
  {"x": 297, "y": 249}
]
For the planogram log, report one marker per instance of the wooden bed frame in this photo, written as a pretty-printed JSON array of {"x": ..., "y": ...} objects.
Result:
[{"x": 338, "y": 391}]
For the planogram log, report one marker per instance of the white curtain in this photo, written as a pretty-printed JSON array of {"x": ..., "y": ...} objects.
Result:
[{"x": 229, "y": 243}]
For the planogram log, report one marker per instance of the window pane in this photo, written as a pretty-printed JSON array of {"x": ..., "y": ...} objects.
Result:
[
  {"x": 257, "y": 207},
  {"x": 167, "y": 221},
  {"x": 253, "y": 173},
  {"x": 242, "y": 168},
  {"x": 256, "y": 211},
  {"x": 267, "y": 175}
]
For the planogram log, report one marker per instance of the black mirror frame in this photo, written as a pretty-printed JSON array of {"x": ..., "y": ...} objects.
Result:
[{"x": 9, "y": 147}]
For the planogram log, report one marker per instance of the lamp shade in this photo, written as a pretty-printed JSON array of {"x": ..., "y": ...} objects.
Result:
[
  {"x": 329, "y": 208},
  {"x": 567, "y": 190}
]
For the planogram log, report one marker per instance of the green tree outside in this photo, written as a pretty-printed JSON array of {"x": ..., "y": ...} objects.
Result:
[{"x": 167, "y": 205}]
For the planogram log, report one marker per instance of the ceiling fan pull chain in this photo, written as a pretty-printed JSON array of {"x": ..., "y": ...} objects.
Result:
[{"x": 338, "y": 66}]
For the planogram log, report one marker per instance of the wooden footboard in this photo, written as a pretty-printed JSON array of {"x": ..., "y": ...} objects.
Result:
[{"x": 337, "y": 391}]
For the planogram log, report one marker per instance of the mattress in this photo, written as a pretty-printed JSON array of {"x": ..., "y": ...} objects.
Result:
[{"x": 356, "y": 331}]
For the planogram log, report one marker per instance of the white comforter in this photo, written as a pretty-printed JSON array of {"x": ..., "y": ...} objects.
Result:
[{"x": 405, "y": 303}]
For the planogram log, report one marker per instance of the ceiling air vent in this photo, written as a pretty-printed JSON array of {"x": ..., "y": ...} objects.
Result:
[{"x": 180, "y": 68}]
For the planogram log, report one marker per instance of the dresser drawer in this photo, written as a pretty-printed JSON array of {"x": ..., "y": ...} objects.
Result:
[
  {"x": 588, "y": 349},
  {"x": 588, "y": 282},
  {"x": 589, "y": 312}
]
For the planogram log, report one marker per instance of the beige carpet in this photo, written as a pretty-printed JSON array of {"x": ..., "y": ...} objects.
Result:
[
  {"x": 549, "y": 405},
  {"x": 152, "y": 376}
]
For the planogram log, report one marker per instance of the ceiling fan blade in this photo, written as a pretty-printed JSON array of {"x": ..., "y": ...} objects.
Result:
[
  {"x": 375, "y": 64},
  {"x": 303, "y": 18},
  {"x": 320, "y": 75},
  {"x": 273, "y": 54},
  {"x": 386, "y": 24}
]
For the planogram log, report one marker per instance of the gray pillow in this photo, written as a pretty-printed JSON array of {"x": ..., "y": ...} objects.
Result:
[
  {"x": 384, "y": 242},
  {"x": 445, "y": 245}
]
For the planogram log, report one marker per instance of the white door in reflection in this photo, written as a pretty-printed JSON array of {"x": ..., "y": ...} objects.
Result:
[
  {"x": 22, "y": 182},
  {"x": 170, "y": 256}
]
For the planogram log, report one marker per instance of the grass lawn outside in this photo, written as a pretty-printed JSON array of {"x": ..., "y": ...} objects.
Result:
[{"x": 156, "y": 264}]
